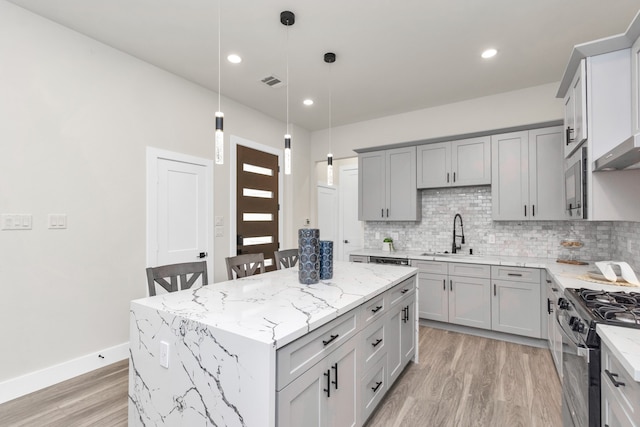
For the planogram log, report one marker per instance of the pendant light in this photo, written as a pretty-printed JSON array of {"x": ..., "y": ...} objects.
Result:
[
  {"x": 219, "y": 136},
  {"x": 287, "y": 19},
  {"x": 330, "y": 58}
]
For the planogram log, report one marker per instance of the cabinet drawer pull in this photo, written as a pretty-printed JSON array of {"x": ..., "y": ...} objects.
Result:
[
  {"x": 333, "y": 337},
  {"x": 328, "y": 389},
  {"x": 568, "y": 131},
  {"x": 378, "y": 384},
  {"x": 382, "y": 213},
  {"x": 378, "y": 341},
  {"x": 404, "y": 291},
  {"x": 549, "y": 309},
  {"x": 494, "y": 290},
  {"x": 454, "y": 177},
  {"x": 613, "y": 377},
  {"x": 533, "y": 210},
  {"x": 525, "y": 210},
  {"x": 444, "y": 284},
  {"x": 514, "y": 274},
  {"x": 377, "y": 309},
  {"x": 447, "y": 177},
  {"x": 335, "y": 370},
  {"x": 451, "y": 285},
  {"x": 387, "y": 212}
]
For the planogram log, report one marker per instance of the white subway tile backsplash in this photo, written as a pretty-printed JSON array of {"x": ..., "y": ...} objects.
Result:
[{"x": 602, "y": 240}]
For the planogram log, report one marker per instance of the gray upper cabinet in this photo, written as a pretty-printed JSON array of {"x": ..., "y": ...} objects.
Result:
[
  {"x": 387, "y": 185},
  {"x": 527, "y": 175},
  {"x": 454, "y": 163},
  {"x": 575, "y": 111},
  {"x": 635, "y": 87}
]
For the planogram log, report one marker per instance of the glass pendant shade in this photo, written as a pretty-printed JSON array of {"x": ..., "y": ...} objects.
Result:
[
  {"x": 329, "y": 169},
  {"x": 287, "y": 154},
  {"x": 219, "y": 154}
]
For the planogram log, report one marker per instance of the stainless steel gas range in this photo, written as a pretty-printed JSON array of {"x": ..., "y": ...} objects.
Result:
[{"x": 579, "y": 311}]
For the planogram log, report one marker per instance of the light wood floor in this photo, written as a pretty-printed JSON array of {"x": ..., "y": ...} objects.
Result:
[{"x": 461, "y": 380}]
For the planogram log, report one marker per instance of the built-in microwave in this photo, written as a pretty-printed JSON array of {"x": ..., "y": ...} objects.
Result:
[{"x": 575, "y": 184}]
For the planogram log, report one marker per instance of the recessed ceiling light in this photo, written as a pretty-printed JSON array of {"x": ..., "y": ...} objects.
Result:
[
  {"x": 308, "y": 102},
  {"x": 489, "y": 53},
  {"x": 234, "y": 59}
]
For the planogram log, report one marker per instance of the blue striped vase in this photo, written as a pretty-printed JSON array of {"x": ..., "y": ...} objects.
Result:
[{"x": 309, "y": 255}]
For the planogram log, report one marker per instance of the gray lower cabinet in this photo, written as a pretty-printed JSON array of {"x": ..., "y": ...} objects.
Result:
[
  {"x": 470, "y": 301},
  {"x": 337, "y": 375},
  {"x": 433, "y": 297},
  {"x": 325, "y": 395},
  {"x": 620, "y": 394},
  {"x": 515, "y": 308}
]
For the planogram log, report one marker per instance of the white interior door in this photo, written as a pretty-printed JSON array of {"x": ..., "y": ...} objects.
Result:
[
  {"x": 351, "y": 231},
  {"x": 328, "y": 213},
  {"x": 180, "y": 208}
]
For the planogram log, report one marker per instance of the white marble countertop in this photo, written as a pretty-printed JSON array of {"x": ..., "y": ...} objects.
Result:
[
  {"x": 624, "y": 342},
  {"x": 274, "y": 307},
  {"x": 625, "y": 346}
]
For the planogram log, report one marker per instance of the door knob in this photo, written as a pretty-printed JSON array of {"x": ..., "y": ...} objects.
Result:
[
  {"x": 202, "y": 255},
  {"x": 346, "y": 241}
]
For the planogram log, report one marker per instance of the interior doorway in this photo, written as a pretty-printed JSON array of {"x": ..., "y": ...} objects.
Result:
[
  {"x": 350, "y": 230},
  {"x": 179, "y": 208}
]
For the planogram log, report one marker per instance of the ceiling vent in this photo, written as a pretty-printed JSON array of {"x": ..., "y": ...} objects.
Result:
[{"x": 272, "y": 81}]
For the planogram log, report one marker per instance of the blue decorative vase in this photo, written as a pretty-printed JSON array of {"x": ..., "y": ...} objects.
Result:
[
  {"x": 326, "y": 259},
  {"x": 309, "y": 255}
]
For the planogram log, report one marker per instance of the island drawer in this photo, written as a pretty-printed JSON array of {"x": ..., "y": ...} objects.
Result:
[
  {"x": 628, "y": 395},
  {"x": 435, "y": 267},
  {"x": 373, "y": 387},
  {"x": 373, "y": 310},
  {"x": 372, "y": 343},
  {"x": 296, "y": 357},
  {"x": 403, "y": 289},
  {"x": 515, "y": 274},
  {"x": 482, "y": 271}
]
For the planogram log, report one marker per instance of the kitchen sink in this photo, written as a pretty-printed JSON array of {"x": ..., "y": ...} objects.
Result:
[{"x": 436, "y": 254}]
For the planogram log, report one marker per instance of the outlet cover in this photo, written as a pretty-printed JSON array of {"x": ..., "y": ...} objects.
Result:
[{"x": 164, "y": 354}]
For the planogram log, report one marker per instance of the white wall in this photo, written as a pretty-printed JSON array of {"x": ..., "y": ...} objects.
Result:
[
  {"x": 76, "y": 118},
  {"x": 532, "y": 105}
]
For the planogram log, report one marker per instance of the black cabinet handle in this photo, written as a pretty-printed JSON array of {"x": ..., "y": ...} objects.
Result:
[
  {"x": 378, "y": 384},
  {"x": 533, "y": 210},
  {"x": 333, "y": 337},
  {"x": 444, "y": 284},
  {"x": 335, "y": 370},
  {"x": 404, "y": 291},
  {"x": 451, "y": 285},
  {"x": 514, "y": 274},
  {"x": 382, "y": 213},
  {"x": 378, "y": 341},
  {"x": 495, "y": 290},
  {"x": 447, "y": 177},
  {"x": 568, "y": 133},
  {"x": 549, "y": 309},
  {"x": 613, "y": 377},
  {"x": 454, "y": 177},
  {"x": 387, "y": 212},
  {"x": 525, "y": 210},
  {"x": 328, "y": 389},
  {"x": 377, "y": 309}
]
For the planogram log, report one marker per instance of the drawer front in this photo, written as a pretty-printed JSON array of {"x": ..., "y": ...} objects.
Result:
[
  {"x": 435, "y": 267},
  {"x": 359, "y": 258},
  {"x": 628, "y": 394},
  {"x": 373, "y": 343},
  {"x": 515, "y": 274},
  {"x": 373, "y": 386},
  {"x": 470, "y": 270},
  {"x": 373, "y": 310},
  {"x": 400, "y": 291},
  {"x": 299, "y": 355}
]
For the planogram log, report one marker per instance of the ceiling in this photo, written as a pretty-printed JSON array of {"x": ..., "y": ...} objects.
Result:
[{"x": 392, "y": 56}]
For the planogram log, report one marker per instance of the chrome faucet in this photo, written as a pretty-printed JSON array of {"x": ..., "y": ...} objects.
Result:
[{"x": 454, "y": 247}]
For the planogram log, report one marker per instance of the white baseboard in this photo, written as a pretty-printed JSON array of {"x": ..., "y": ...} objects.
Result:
[{"x": 34, "y": 381}]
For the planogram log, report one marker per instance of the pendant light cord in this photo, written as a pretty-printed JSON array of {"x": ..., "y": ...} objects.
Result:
[
  {"x": 330, "y": 106},
  {"x": 219, "y": 54},
  {"x": 287, "y": 56}
]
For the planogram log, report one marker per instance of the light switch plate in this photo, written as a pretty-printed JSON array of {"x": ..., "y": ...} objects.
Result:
[
  {"x": 219, "y": 231},
  {"x": 16, "y": 221},
  {"x": 492, "y": 238},
  {"x": 57, "y": 221},
  {"x": 219, "y": 220}
]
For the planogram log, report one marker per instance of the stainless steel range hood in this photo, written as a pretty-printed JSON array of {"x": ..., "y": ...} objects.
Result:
[{"x": 625, "y": 156}]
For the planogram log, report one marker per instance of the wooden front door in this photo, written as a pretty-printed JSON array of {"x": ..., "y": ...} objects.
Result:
[{"x": 257, "y": 203}]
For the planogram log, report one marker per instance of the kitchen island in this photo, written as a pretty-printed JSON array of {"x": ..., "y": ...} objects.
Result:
[{"x": 209, "y": 356}]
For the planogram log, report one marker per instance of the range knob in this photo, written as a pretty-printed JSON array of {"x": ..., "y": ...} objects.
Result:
[
  {"x": 563, "y": 304},
  {"x": 576, "y": 324}
]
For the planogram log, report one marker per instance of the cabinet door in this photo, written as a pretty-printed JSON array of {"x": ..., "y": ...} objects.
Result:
[
  {"x": 471, "y": 161},
  {"x": 394, "y": 353},
  {"x": 578, "y": 132},
  {"x": 371, "y": 186},
  {"x": 546, "y": 196},
  {"x": 407, "y": 330},
  {"x": 434, "y": 165},
  {"x": 342, "y": 408},
  {"x": 470, "y": 301},
  {"x": 433, "y": 301},
  {"x": 515, "y": 308},
  {"x": 612, "y": 412},
  {"x": 402, "y": 193},
  {"x": 509, "y": 175},
  {"x": 304, "y": 401}
]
